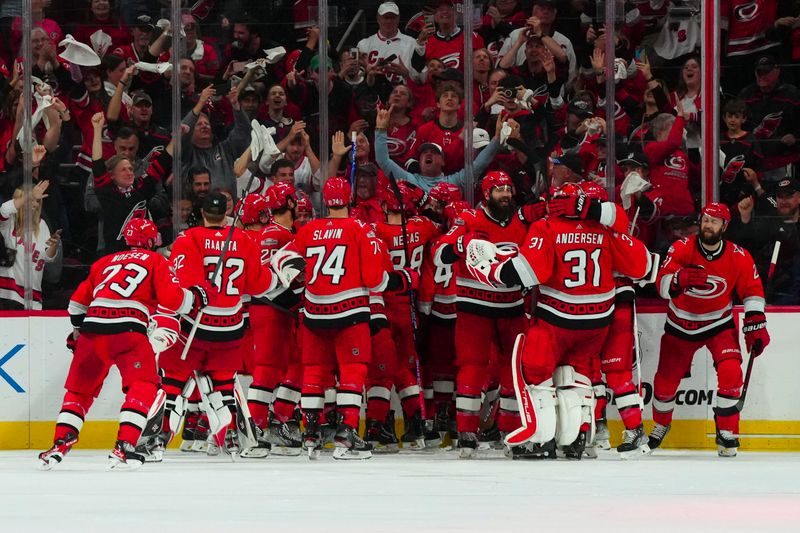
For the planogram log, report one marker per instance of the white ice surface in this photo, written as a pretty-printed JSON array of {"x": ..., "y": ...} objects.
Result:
[{"x": 670, "y": 491}]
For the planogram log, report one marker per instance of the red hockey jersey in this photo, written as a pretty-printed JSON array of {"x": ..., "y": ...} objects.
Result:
[
  {"x": 123, "y": 289},
  {"x": 575, "y": 263},
  {"x": 697, "y": 314},
  {"x": 450, "y": 49},
  {"x": 194, "y": 257},
  {"x": 748, "y": 22},
  {"x": 270, "y": 239},
  {"x": 437, "y": 289},
  {"x": 344, "y": 260},
  {"x": 474, "y": 296}
]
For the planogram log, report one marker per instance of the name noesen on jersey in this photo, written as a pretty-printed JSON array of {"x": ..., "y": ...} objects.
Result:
[{"x": 579, "y": 238}]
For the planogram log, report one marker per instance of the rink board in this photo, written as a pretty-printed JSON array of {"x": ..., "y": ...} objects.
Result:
[{"x": 34, "y": 363}]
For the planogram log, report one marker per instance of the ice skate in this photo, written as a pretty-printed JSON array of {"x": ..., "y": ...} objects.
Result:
[
  {"x": 188, "y": 434},
  {"x": 261, "y": 450},
  {"x": 414, "y": 436},
  {"x": 490, "y": 439},
  {"x": 467, "y": 444},
  {"x": 124, "y": 457},
  {"x": 657, "y": 436},
  {"x": 231, "y": 442},
  {"x": 328, "y": 428},
  {"x": 575, "y": 450},
  {"x": 532, "y": 450},
  {"x": 381, "y": 440},
  {"x": 285, "y": 438},
  {"x": 727, "y": 443},
  {"x": 433, "y": 438},
  {"x": 153, "y": 448},
  {"x": 602, "y": 435},
  {"x": 349, "y": 445},
  {"x": 55, "y": 455},
  {"x": 202, "y": 433},
  {"x": 634, "y": 443},
  {"x": 312, "y": 437}
]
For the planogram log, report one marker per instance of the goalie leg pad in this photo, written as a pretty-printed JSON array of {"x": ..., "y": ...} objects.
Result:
[
  {"x": 215, "y": 406},
  {"x": 575, "y": 398}
]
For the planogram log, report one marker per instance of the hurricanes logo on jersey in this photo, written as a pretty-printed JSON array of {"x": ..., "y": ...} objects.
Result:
[
  {"x": 746, "y": 12},
  {"x": 715, "y": 286},
  {"x": 675, "y": 162}
]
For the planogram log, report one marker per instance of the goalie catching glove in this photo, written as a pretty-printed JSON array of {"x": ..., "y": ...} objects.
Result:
[
  {"x": 756, "y": 337},
  {"x": 162, "y": 332},
  {"x": 484, "y": 261},
  {"x": 287, "y": 265}
]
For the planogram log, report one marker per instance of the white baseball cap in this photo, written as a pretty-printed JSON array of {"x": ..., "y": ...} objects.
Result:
[
  {"x": 480, "y": 138},
  {"x": 388, "y": 7}
]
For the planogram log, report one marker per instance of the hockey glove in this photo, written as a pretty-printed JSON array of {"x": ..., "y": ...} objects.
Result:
[
  {"x": 756, "y": 337},
  {"x": 200, "y": 300},
  {"x": 530, "y": 213},
  {"x": 578, "y": 207},
  {"x": 72, "y": 341},
  {"x": 460, "y": 247},
  {"x": 408, "y": 279},
  {"x": 162, "y": 332},
  {"x": 689, "y": 277}
]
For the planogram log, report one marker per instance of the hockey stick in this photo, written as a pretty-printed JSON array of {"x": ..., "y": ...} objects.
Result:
[
  {"x": 218, "y": 268},
  {"x": 411, "y": 297},
  {"x": 740, "y": 404},
  {"x": 353, "y": 137}
]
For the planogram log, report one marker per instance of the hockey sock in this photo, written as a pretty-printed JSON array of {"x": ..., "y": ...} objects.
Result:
[
  {"x": 312, "y": 400},
  {"x": 430, "y": 406},
  {"x": 73, "y": 412},
  {"x": 287, "y": 397},
  {"x": 133, "y": 415},
  {"x": 729, "y": 389},
  {"x": 443, "y": 393},
  {"x": 469, "y": 385},
  {"x": 508, "y": 413},
  {"x": 626, "y": 398},
  {"x": 379, "y": 399},
  {"x": 601, "y": 400},
  {"x": 348, "y": 396},
  {"x": 260, "y": 395},
  {"x": 664, "y": 390},
  {"x": 409, "y": 400}
]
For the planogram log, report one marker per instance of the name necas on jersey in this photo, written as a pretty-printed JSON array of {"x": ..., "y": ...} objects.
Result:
[
  {"x": 344, "y": 260},
  {"x": 195, "y": 255},
  {"x": 575, "y": 263},
  {"x": 420, "y": 231},
  {"x": 123, "y": 289},
  {"x": 472, "y": 295},
  {"x": 700, "y": 313}
]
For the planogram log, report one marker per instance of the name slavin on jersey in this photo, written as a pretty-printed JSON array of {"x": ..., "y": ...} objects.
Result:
[
  {"x": 212, "y": 244},
  {"x": 579, "y": 238},
  {"x": 320, "y": 234}
]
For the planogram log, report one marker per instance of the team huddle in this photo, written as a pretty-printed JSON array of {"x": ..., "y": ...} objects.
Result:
[{"x": 496, "y": 327}]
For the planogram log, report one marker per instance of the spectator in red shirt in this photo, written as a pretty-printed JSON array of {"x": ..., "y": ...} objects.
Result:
[{"x": 101, "y": 17}]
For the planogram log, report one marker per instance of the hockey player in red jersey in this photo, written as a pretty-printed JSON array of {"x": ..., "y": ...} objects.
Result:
[
  {"x": 699, "y": 277},
  {"x": 342, "y": 261},
  {"x": 486, "y": 315},
  {"x": 573, "y": 263},
  {"x": 419, "y": 232},
  {"x": 273, "y": 322},
  {"x": 111, "y": 311},
  {"x": 214, "y": 354}
]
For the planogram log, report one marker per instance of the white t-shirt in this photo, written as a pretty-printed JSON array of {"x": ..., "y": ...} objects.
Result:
[{"x": 377, "y": 47}]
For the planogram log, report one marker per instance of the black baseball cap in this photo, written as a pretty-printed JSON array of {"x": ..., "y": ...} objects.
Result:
[
  {"x": 570, "y": 160},
  {"x": 636, "y": 158},
  {"x": 144, "y": 22},
  {"x": 580, "y": 108},
  {"x": 215, "y": 203},
  {"x": 788, "y": 186},
  {"x": 431, "y": 147},
  {"x": 765, "y": 63}
]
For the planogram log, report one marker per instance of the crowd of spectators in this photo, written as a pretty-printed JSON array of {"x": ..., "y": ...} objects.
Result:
[{"x": 248, "y": 72}]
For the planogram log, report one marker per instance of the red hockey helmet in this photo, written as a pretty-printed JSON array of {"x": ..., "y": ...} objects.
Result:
[
  {"x": 567, "y": 189},
  {"x": 141, "y": 233},
  {"x": 454, "y": 209},
  {"x": 594, "y": 190},
  {"x": 717, "y": 210},
  {"x": 495, "y": 178},
  {"x": 408, "y": 195},
  {"x": 278, "y": 194},
  {"x": 414, "y": 198},
  {"x": 445, "y": 192},
  {"x": 336, "y": 192},
  {"x": 254, "y": 210},
  {"x": 304, "y": 204}
]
